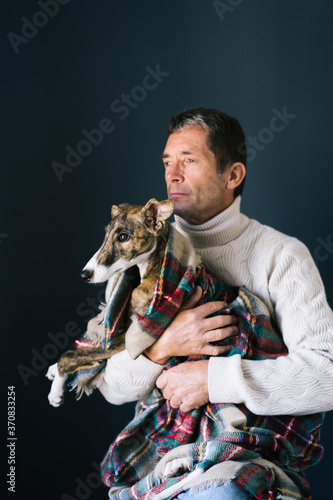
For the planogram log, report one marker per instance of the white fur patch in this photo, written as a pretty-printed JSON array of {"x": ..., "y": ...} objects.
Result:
[
  {"x": 142, "y": 261},
  {"x": 58, "y": 387},
  {"x": 176, "y": 466},
  {"x": 180, "y": 485},
  {"x": 92, "y": 263},
  {"x": 103, "y": 273}
]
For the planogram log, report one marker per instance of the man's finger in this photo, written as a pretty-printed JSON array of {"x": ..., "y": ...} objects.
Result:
[
  {"x": 221, "y": 333},
  {"x": 175, "y": 403},
  {"x": 217, "y": 350},
  {"x": 219, "y": 321},
  {"x": 185, "y": 407},
  {"x": 167, "y": 393},
  {"x": 209, "y": 308},
  {"x": 162, "y": 380}
]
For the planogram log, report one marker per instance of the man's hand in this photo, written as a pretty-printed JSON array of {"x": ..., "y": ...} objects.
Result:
[
  {"x": 191, "y": 331},
  {"x": 185, "y": 385}
]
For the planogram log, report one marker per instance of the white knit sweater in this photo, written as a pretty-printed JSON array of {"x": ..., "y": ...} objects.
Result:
[{"x": 281, "y": 272}]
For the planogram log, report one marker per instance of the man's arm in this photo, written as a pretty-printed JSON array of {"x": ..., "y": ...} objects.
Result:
[
  {"x": 297, "y": 384},
  {"x": 127, "y": 380},
  {"x": 192, "y": 330}
]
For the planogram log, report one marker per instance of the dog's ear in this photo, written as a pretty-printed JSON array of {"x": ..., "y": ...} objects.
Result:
[
  {"x": 115, "y": 210},
  {"x": 156, "y": 212}
]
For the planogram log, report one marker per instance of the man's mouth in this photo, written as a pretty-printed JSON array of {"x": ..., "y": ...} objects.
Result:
[{"x": 176, "y": 195}]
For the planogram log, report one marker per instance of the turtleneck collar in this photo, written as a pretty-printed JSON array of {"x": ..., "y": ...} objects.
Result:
[{"x": 219, "y": 230}]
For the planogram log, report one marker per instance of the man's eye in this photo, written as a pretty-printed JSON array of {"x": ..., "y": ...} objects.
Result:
[{"x": 123, "y": 237}]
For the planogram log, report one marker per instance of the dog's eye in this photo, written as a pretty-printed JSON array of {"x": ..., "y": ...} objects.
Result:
[{"x": 122, "y": 237}]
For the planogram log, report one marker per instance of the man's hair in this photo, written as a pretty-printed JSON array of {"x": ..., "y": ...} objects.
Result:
[{"x": 226, "y": 137}]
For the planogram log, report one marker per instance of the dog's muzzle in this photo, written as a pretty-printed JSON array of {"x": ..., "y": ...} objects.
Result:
[{"x": 87, "y": 274}]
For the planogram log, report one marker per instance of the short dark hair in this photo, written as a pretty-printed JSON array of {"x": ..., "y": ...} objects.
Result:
[{"x": 226, "y": 137}]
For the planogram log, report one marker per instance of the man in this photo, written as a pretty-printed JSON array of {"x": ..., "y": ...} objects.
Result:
[{"x": 205, "y": 161}]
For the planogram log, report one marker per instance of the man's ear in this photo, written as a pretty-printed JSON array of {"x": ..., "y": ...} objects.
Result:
[
  {"x": 156, "y": 212},
  {"x": 236, "y": 173}
]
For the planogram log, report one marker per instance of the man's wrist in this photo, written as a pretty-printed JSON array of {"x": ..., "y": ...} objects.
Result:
[{"x": 156, "y": 355}]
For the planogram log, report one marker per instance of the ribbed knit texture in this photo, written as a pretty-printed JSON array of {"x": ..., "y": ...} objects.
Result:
[{"x": 127, "y": 379}]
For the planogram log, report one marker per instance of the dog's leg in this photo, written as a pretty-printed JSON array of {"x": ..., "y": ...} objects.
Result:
[
  {"x": 73, "y": 359},
  {"x": 177, "y": 466},
  {"x": 58, "y": 387}
]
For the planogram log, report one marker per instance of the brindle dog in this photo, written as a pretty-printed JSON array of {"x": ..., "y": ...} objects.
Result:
[{"x": 138, "y": 236}]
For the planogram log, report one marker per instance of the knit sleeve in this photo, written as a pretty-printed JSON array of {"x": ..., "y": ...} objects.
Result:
[
  {"x": 126, "y": 379},
  {"x": 301, "y": 382}
]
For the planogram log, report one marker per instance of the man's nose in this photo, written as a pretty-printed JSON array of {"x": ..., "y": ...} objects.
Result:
[{"x": 174, "y": 173}]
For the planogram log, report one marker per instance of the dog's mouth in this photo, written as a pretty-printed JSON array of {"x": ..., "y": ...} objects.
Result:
[
  {"x": 94, "y": 272},
  {"x": 97, "y": 276},
  {"x": 103, "y": 273}
]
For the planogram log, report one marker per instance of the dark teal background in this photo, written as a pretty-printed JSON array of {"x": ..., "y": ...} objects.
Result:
[{"x": 256, "y": 57}]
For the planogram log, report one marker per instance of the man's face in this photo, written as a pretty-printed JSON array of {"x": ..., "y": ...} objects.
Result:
[{"x": 193, "y": 183}]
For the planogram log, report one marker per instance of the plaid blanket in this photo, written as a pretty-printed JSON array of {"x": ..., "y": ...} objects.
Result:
[{"x": 264, "y": 455}]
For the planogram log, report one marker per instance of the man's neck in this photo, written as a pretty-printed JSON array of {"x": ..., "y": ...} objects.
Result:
[{"x": 219, "y": 230}]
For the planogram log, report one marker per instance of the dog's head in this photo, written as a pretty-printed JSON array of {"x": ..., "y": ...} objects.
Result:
[{"x": 130, "y": 238}]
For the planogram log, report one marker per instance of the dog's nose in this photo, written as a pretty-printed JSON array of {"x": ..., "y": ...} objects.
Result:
[{"x": 86, "y": 274}]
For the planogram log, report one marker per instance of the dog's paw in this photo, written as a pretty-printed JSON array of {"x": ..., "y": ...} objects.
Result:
[
  {"x": 181, "y": 485},
  {"x": 58, "y": 388},
  {"x": 52, "y": 372},
  {"x": 56, "y": 398},
  {"x": 176, "y": 467}
]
